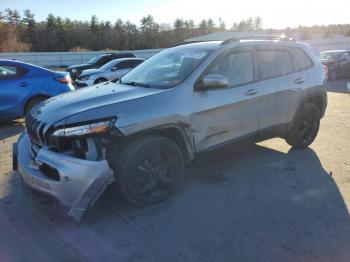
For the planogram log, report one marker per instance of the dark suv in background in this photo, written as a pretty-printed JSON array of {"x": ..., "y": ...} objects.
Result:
[
  {"x": 95, "y": 62},
  {"x": 337, "y": 62}
]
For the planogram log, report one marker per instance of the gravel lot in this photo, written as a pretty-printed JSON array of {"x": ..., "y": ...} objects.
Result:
[{"x": 261, "y": 202}]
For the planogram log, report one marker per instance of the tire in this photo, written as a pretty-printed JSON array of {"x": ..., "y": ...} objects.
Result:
[
  {"x": 332, "y": 75},
  {"x": 148, "y": 170},
  {"x": 32, "y": 103},
  {"x": 100, "y": 80},
  {"x": 305, "y": 126}
]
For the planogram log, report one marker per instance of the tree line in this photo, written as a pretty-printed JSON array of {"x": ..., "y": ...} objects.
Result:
[{"x": 21, "y": 32}]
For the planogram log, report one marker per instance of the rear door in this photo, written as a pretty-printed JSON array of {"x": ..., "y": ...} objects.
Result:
[
  {"x": 226, "y": 114},
  {"x": 282, "y": 86},
  {"x": 344, "y": 64},
  {"x": 16, "y": 85}
]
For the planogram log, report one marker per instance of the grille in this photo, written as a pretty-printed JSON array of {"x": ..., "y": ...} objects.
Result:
[{"x": 35, "y": 130}]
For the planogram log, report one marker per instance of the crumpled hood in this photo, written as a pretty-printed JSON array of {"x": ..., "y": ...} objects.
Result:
[
  {"x": 80, "y": 66},
  {"x": 69, "y": 104},
  {"x": 87, "y": 72}
]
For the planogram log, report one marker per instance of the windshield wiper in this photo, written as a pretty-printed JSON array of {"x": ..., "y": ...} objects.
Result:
[{"x": 132, "y": 83}]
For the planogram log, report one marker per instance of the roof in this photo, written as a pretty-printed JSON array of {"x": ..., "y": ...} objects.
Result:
[
  {"x": 335, "y": 51},
  {"x": 127, "y": 58},
  {"x": 200, "y": 44},
  {"x": 222, "y": 36}
]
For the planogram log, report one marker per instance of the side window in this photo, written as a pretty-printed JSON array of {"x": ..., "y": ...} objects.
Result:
[
  {"x": 237, "y": 67},
  {"x": 124, "y": 65},
  {"x": 11, "y": 72},
  {"x": 345, "y": 56},
  {"x": 274, "y": 63},
  {"x": 135, "y": 63},
  {"x": 302, "y": 61},
  {"x": 103, "y": 60}
]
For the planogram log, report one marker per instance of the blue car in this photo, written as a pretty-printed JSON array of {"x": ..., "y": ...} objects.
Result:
[{"x": 23, "y": 85}]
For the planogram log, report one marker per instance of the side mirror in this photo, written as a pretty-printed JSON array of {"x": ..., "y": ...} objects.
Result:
[
  {"x": 213, "y": 81},
  {"x": 114, "y": 69}
]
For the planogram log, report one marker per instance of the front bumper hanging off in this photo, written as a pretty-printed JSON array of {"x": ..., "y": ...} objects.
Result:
[{"x": 79, "y": 182}]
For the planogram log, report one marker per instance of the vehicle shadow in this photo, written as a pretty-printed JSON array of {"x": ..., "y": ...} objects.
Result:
[
  {"x": 239, "y": 203},
  {"x": 339, "y": 86},
  {"x": 11, "y": 128}
]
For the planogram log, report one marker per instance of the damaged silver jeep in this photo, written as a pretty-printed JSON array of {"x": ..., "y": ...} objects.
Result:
[{"x": 142, "y": 131}]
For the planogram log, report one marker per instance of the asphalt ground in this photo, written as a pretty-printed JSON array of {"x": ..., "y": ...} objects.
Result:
[{"x": 257, "y": 202}]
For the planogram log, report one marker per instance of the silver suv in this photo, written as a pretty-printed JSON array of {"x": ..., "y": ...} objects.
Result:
[{"x": 142, "y": 131}]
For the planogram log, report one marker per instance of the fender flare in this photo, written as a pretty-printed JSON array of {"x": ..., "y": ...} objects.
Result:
[{"x": 184, "y": 137}]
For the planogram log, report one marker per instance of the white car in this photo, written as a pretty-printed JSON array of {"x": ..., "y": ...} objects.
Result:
[{"x": 111, "y": 71}]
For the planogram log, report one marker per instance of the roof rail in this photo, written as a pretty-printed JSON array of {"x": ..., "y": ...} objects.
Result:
[
  {"x": 192, "y": 42},
  {"x": 237, "y": 39},
  {"x": 267, "y": 37}
]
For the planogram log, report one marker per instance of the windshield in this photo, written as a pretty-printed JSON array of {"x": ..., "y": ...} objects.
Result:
[
  {"x": 167, "y": 68},
  {"x": 109, "y": 65},
  {"x": 330, "y": 55},
  {"x": 94, "y": 60}
]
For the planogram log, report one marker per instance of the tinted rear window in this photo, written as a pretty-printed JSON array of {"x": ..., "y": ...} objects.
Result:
[
  {"x": 302, "y": 61},
  {"x": 274, "y": 63}
]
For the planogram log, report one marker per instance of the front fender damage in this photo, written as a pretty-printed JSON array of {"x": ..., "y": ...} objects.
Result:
[{"x": 78, "y": 182}]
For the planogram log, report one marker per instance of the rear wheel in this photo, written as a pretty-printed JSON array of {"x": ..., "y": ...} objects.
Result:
[
  {"x": 305, "y": 127},
  {"x": 148, "y": 169}
]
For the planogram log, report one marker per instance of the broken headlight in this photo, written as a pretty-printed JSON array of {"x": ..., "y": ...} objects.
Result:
[
  {"x": 83, "y": 78},
  {"x": 93, "y": 128}
]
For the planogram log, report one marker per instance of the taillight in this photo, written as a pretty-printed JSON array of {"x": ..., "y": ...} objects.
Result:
[
  {"x": 325, "y": 69},
  {"x": 64, "y": 80}
]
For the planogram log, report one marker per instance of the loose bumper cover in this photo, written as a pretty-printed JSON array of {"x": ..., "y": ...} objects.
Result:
[{"x": 80, "y": 182}]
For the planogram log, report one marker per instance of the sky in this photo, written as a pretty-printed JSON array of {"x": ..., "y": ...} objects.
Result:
[{"x": 275, "y": 14}]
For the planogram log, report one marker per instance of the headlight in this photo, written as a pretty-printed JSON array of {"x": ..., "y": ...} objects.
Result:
[
  {"x": 89, "y": 129},
  {"x": 84, "y": 78},
  {"x": 74, "y": 70}
]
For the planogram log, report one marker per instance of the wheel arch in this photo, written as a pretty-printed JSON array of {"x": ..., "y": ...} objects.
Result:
[
  {"x": 316, "y": 97},
  {"x": 176, "y": 133},
  {"x": 102, "y": 77},
  {"x": 30, "y": 99}
]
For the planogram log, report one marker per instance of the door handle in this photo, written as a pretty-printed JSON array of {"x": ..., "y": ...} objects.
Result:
[
  {"x": 23, "y": 84},
  {"x": 299, "y": 81},
  {"x": 251, "y": 92}
]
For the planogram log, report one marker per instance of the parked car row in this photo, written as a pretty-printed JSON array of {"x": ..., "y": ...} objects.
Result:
[
  {"x": 112, "y": 71},
  {"x": 96, "y": 62},
  {"x": 23, "y": 85}
]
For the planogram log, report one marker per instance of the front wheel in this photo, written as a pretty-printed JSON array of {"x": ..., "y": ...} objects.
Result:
[
  {"x": 148, "y": 169},
  {"x": 305, "y": 127}
]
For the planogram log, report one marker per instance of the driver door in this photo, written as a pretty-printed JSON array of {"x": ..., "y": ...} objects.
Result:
[
  {"x": 344, "y": 64},
  {"x": 227, "y": 114}
]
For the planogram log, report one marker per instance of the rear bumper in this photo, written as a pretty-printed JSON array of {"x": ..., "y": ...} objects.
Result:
[{"x": 80, "y": 182}]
